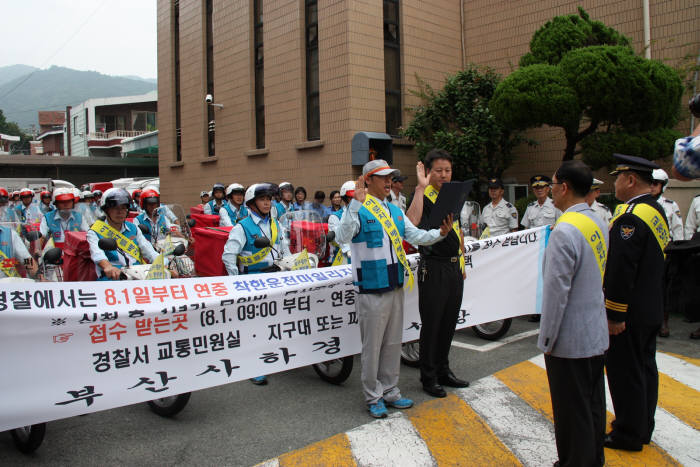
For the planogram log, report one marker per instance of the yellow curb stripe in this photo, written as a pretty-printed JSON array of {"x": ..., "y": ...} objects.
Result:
[
  {"x": 333, "y": 451},
  {"x": 694, "y": 361},
  {"x": 456, "y": 435},
  {"x": 680, "y": 400},
  {"x": 529, "y": 382}
]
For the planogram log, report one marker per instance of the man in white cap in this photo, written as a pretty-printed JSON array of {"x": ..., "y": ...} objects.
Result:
[
  {"x": 659, "y": 180},
  {"x": 375, "y": 230},
  {"x": 598, "y": 208}
]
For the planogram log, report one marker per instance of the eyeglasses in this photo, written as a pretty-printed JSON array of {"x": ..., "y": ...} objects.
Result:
[{"x": 556, "y": 183}]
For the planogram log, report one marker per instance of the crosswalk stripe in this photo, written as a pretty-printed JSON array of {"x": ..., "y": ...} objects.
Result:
[
  {"x": 680, "y": 400},
  {"x": 456, "y": 435},
  {"x": 392, "y": 441},
  {"x": 332, "y": 451},
  {"x": 679, "y": 440},
  {"x": 679, "y": 369},
  {"x": 526, "y": 432},
  {"x": 529, "y": 381},
  {"x": 694, "y": 361}
]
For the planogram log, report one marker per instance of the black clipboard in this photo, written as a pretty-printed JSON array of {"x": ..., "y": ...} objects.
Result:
[{"x": 450, "y": 200}]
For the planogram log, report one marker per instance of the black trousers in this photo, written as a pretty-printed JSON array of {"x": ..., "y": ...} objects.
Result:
[
  {"x": 440, "y": 290},
  {"x": 634, "y": 382},
  {"x": 577, "y": 387}
]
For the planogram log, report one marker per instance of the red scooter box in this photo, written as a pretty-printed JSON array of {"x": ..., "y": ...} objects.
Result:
[
  {"x": 199, "y": 209},
  {"x": 205, "y": 220},
  {"x": 209, "y": 245},
  {"x": 77, "y": 265}
]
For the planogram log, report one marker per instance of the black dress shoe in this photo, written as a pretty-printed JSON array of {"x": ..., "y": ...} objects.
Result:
[
  {"x": 434, "y": 389},
  {"x": 616, "y": 443},
  {"x": 452, "y": 381}
]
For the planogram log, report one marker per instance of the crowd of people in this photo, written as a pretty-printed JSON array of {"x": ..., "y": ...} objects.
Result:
[{"x": 603, "y": 272}]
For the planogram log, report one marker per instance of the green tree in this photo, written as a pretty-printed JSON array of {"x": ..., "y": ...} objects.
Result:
[
  {"x": 11, "y": 128},
  {"x": 584, "y": 77},
  {"x": 457, "y": 118}
]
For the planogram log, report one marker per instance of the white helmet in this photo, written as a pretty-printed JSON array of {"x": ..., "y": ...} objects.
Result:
[
  {"x": 63, "y": 194},
  {"x": 348, "y": 189},
  {"x": 115, "y": 197},
  {"x": 76, "y": 193},
  {"x": 660, "y": 175},
  {"x": 258, "y": 189},
  {"x": 86, "y": 194},
  {"x": 234, "y": 187},
  {"x": 286, "y": 186}
]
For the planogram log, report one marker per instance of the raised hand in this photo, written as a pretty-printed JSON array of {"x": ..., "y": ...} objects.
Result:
[
  {"x": 360, "y": 189},
  {"x": 422, "y": 176}
]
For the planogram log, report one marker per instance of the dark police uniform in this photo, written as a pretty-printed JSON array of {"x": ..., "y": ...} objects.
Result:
[
  {"x": 440, "y": 287},
  {"x": 633, "y": 289}
]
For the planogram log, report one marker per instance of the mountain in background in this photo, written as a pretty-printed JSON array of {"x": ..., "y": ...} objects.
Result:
[
  {"x": 8, "y": 73},
  {"x": 55, "y": 88}
]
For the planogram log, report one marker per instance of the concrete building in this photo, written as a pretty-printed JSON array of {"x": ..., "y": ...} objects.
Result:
[{"x": 301, "y": 90}]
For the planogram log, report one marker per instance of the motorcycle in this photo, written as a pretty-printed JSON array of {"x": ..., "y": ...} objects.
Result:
[
  {"x": 167, "y": 406},
  {"x": 305, "y": 235},
  {"x": 491, "y": 331}
]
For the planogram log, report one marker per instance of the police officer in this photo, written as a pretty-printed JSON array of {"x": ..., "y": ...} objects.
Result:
[
  {"x": 54, "y": 224},
  {"x": 26, "y": 211},
  {"x": 634, "y": 302},
  {"x": 396, "y": 197},
  {"x": 157, "y": 223},
  {"x": 135, "y": 205},
  {"x": 673, "y": 212},
  {"x": 218, "y": 192},
  {"x": 7, "y": 214},
  {"x": 240, "y": 253},
  {"x": 13, "y": 252},
  {"x": 541, "y": 211},
  {"x": 233, "y": 210},
  {"x": 692, "y": 221},
  {"x": 287, "y": 196},
  {"x": 133, "y": 246},
  {"x": 45, "y": 205},
  {"x": 441, "y": 277},
  {"x": 499, "y": 215},
  {"x": 204, "y": 197},
  {"x": 598, "y": 208}
]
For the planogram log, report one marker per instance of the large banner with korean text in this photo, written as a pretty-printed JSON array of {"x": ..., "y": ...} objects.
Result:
[{"x": 78, "y": 347}]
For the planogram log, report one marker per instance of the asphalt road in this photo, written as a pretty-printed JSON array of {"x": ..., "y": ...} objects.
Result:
[{"x": 243, "y": 424}]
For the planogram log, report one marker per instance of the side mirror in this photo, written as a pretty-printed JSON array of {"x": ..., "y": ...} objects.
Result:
[
  {"x": 191, "y": 223},
  {"x": 261, "y": 242},
  {"x": 179, "y": 250},
  {"x": 188, "y": 216},
  {"x": 107, "y": 244},
  {"x": 330, "y": 236},
  {"x": 53, "y": 256},
  {"x": 144, "y": 229}
]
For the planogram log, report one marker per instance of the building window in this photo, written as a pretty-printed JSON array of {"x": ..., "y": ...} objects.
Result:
[
  {"x": 313, "y": 114},
  {"x": 259, "y": 74},
  {"x": 392, "y": 67},
  {"x": 176, "y": 52},
  {"x": 75, "y": 126},
  {"x": 211, "y": 126}
]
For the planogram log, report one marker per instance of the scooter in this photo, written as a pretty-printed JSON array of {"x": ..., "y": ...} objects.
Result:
[
  {"x": 303, "y": 231},
  {"x": 165, "y": 406}
]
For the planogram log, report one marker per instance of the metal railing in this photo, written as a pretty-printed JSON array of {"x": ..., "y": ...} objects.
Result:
[{"x": 116, "y": 134}]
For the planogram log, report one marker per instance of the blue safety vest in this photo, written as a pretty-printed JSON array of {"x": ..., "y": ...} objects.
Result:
[
  {"x": 6, "y": 241},
  {"x": 377, "y": 275},
  {"x": 212, "y": 206},
  {"x": 46, "y": 208},
  {"x": 53, "y": 222},
  {"x": 160, "y": 224},
  {"x": 253, "y": 231},
  {"x": 131, "y": 233}
]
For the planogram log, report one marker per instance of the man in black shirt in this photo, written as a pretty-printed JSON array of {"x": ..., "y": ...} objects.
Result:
[{"x": 440, "y": 278}]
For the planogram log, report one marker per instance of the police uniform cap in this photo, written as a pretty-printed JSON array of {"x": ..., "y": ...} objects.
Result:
[
  {"x": 399, "y": 178},
  {"x": 495, "y": 183},
  {"x": 540, "y": 180},
  {"x": 596, "y": 184},
  {"x": 633, "y": 163}
]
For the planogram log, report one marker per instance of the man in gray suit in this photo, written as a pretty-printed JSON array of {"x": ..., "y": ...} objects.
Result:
[{"x": 574, "y": 327}]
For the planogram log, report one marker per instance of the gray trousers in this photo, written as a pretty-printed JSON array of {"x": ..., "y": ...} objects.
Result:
[{"x": 381, "y": 328}]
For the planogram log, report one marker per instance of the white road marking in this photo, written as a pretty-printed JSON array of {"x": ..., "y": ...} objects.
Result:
[
  {"x": 496, "y": 344},
  {"x": 672, "y": 435},
  {"x": 680, "y": 370},
  {"x": 269, "y": 463},
  {"x": 392, "y": 441},
  {"x": 521, "y": 428}
]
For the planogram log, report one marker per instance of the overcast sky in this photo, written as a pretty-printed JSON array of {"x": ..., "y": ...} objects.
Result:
[{"x": 114, "y": 37}]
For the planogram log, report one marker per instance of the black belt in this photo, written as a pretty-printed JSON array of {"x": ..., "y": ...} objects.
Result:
[{"x": 444, "y": 259}]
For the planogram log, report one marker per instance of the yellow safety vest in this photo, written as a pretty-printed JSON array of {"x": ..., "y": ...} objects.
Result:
[
  {"x": 651, "y": 218},
  {"x": 592, "y": 233}
]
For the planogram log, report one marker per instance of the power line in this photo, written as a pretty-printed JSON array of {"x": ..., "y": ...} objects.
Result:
[{"x": 75, "y": 33}]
